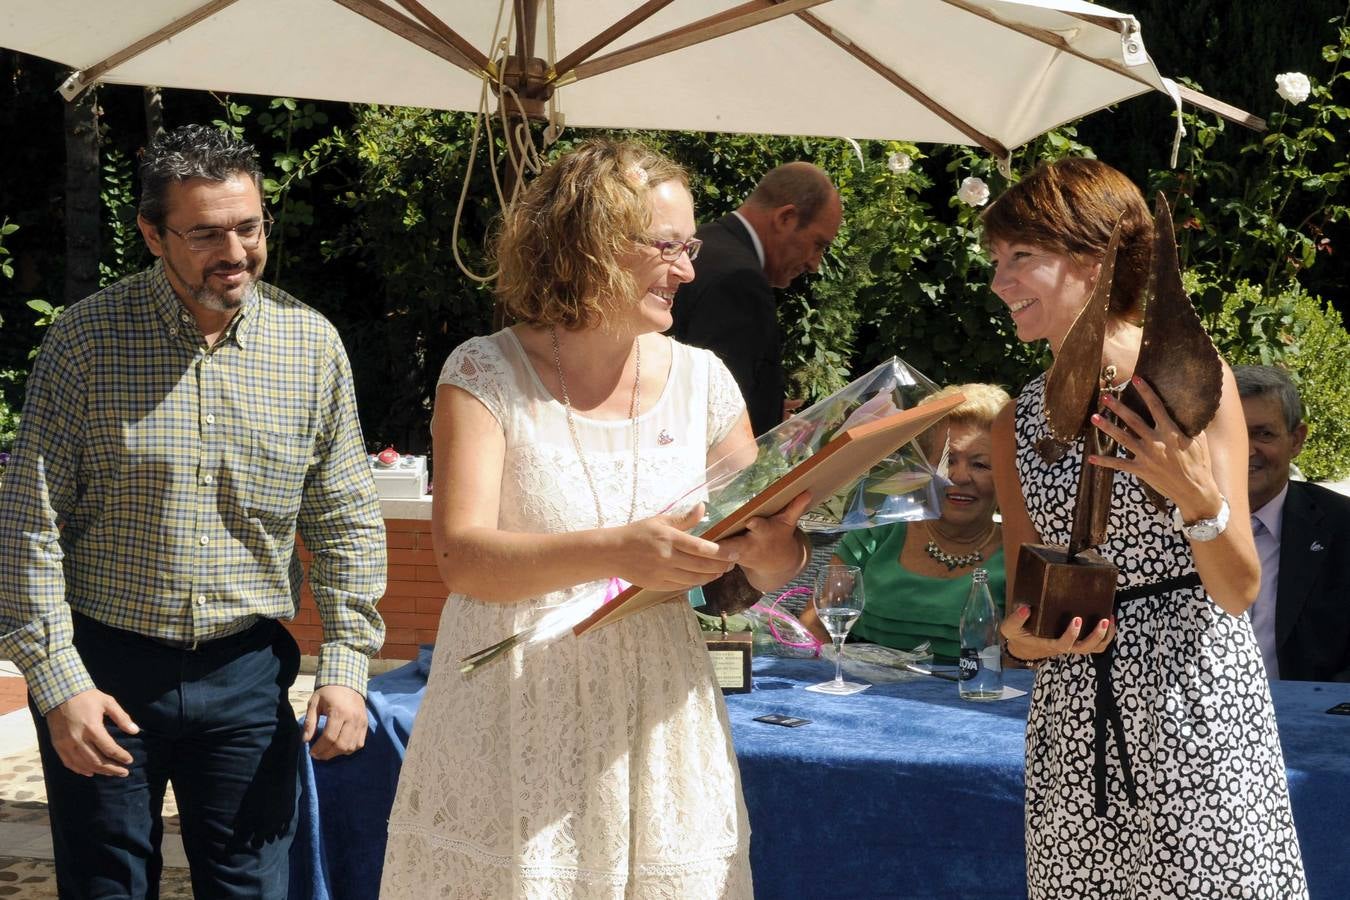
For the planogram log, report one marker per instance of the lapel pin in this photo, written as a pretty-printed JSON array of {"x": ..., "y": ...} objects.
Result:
[{"x": 1316, "y": 547}]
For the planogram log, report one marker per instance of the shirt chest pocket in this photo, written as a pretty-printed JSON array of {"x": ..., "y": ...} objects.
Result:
[{"x": 276, "y": 469}]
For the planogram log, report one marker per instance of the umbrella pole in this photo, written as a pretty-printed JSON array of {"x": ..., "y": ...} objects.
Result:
[{"x": 522, "y": 96}]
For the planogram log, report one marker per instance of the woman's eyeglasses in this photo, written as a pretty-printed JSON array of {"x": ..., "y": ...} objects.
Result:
[
  {"x": 671, "y": 250},
  {"x": 250, "y": 233}
]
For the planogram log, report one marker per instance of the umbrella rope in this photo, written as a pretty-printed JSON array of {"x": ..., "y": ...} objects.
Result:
[{"x": 522, "y": 152}]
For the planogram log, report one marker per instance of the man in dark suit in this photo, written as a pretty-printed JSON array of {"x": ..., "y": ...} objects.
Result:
[
  {"x": 1302, "y": 614},
  {"x": 781, "y": 230}
]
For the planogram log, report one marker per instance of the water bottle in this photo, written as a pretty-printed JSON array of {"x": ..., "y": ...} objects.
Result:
[{"x": 981, "y": 663}]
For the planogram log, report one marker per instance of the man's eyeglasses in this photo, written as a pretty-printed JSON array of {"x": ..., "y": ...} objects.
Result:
[
  {"x": 671, "y": 250},
  {"x": 250, "y": 233}
]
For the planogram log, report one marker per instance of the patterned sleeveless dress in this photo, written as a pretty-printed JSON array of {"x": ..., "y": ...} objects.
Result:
[{"x": 1210, "y": 814}]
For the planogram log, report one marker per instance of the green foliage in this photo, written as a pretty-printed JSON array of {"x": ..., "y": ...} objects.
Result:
[
  {"x": 284, "y": 122},
  {"x": 409, "y": 167},
  {"x": 123, "y": 250},
  {"x": 9, "y": 416},
  {"x": 1266, "y": 217},
  {"x": 6, "y": 265},
  {"x": 1301, "y": 334},
  {"x": 234, "y": 116}
]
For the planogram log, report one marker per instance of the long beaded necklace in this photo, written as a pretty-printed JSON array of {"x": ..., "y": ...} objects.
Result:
[
  {"x": 952, "y": 561},
  {"x": 576, "y": 441}
]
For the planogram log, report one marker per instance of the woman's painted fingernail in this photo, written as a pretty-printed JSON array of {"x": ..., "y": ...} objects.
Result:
[
  {"x": 1137, "y": 380},
  {"x": 1103, "y": 625}
]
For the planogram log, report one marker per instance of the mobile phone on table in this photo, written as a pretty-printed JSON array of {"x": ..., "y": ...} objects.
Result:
[{"x": 785, "y": 721}]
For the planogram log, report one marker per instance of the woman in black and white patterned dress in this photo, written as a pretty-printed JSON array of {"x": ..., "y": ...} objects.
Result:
[{"x": 1193, "y": 802}]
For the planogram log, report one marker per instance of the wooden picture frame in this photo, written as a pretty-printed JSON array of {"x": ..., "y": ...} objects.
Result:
[{"x": 845, "y": 459}]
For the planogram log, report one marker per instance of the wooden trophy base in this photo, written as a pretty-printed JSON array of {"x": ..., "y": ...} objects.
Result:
[{"x": 1057, "y": 589}]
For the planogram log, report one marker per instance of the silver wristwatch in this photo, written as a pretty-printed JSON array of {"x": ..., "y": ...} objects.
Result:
[{"x": 1203, "y": 529}]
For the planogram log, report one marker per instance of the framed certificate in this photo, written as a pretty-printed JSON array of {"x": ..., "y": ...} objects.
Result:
[{"x": 846, "y": 458}]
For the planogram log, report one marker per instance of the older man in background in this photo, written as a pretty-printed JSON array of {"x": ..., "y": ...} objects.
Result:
[
  {"x": 1302, "y": 614},
  {"x": 781, "y": 230}
]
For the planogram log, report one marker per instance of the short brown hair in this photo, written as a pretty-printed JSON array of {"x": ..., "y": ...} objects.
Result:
[
  {"x": 800, "y": 184},
  {"x": 561, "y": 243},
  {"x": 1071, "y": 206}
]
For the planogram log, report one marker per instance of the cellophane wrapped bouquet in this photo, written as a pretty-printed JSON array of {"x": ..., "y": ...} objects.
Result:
[{"x": 903, "y": 487}]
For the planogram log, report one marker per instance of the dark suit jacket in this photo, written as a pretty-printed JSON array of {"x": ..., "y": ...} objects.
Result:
[
  {"x": 730, "y": 308},
  {"x": 1312, "y": 606}
]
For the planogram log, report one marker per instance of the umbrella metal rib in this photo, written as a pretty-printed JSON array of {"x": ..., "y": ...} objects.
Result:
[
  {"x": 471, "y": 53},
  {"x": 81, "y": 81},
  {"x": 895, "y": 78},
  {"x": 417, "y": 33},
  {"x": 609, "y": 35},
  {"x": 717, "y": 25}
]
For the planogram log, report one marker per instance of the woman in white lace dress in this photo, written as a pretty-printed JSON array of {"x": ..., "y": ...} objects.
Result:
[
  {"x": 599, "y": 766},
  {"x": 1184, "y": 795}
]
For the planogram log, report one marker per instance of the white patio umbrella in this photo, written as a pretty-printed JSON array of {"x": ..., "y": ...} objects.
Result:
[{"x": 992, "y": 73}]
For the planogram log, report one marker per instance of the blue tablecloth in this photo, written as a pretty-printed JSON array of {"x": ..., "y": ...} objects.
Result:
[{"x": 902, "y": 791}]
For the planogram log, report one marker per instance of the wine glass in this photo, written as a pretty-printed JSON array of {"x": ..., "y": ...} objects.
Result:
[{"x": 838, "y": 599}]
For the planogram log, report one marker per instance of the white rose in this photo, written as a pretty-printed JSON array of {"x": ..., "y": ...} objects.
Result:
[
  {"x": 1293, "y": 86},
  {"x": 899, "y": 163},
  {"x": 973, "y": 192}
]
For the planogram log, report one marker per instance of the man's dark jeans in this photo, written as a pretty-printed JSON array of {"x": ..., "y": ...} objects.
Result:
[{"x": 216, "y": 723}]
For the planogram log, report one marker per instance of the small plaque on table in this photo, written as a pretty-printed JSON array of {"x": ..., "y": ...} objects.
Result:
[{"x": 730, "y": 653}]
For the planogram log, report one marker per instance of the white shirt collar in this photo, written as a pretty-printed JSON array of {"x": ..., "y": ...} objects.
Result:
[
  {"x": 759, "y": 247},
  {"x": 1272, "y": 514}
]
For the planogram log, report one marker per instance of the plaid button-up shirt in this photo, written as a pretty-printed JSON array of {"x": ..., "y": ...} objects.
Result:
[{"x": 156, "y": 484}]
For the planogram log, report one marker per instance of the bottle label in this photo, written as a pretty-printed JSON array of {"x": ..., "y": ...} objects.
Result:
[{"x": 969, "y": 663}]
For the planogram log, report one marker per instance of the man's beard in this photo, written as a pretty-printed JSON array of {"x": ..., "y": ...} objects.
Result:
[{"x": 215, "y": 300}]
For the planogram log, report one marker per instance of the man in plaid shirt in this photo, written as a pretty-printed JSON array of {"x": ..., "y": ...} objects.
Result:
[{"x": 180, "y": 426}]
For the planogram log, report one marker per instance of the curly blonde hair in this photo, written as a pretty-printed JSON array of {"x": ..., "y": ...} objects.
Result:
[
  {"x": 981, "y": 407},
  {"x": 561, "y": 244}
]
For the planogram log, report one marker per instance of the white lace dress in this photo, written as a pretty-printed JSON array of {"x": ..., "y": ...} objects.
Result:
[{"x": 593, "y": 767}]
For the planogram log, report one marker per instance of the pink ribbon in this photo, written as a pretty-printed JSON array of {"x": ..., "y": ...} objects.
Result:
[
  {"x": 772, "y": 612},
  {"x": 615, "y": 587}
]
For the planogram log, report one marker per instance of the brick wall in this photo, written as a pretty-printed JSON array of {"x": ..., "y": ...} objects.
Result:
[{"x": 412, "y": 602}]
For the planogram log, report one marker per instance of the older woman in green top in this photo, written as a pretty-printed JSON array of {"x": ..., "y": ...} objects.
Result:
[{"x": 917, "y": 575}]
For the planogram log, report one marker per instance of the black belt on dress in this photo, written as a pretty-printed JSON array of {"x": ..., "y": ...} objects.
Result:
[{"x": 1107, "y": 710}]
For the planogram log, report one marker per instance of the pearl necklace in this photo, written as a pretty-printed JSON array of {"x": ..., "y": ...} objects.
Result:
[
  {"x": 576, "y": 441},
  {"x": 951, "y": 561}
]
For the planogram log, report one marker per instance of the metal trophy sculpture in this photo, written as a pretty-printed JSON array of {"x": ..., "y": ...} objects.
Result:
[{"x": 1177, "y": 358}]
